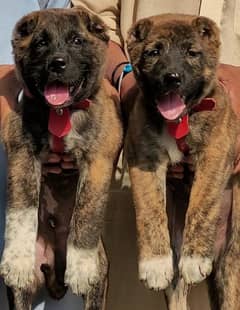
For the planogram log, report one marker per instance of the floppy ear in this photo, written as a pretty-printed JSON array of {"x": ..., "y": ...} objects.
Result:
[
  {"x": 207, "y": 30},
  {"x": 24, "y": 28},
  {"x": 94, "y": 24},
  {"x": 26, "y": 25},
  {"x": 139, "y": 31}
]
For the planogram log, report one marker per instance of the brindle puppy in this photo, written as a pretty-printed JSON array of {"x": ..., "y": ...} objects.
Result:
[
  {"x": 59, "y": 56},
  {"x": 175, "y": 58}
]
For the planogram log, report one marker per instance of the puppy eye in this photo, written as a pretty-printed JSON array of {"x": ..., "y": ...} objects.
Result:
[
  {"x": 151, "y": 53},
  {"x": 193, "y": 53},
  {"x": 41, "y": 43},
  {"x": 77, "y": 40}
]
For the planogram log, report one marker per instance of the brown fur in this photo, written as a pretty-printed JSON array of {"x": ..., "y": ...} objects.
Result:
[
  {"x": 94, "y": 142},
  {"x": 187, "y": 45}
]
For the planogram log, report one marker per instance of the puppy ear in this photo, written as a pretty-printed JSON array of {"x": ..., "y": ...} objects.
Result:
[
  {"x": 97, "y": 27},
  {"x": 207, "y": 29},
  {"x": 23, "y": 29},
  {"x": 94, "y": 24},
  {"x": 26, "y": 25},
  {"x": 139, "y": 31}
]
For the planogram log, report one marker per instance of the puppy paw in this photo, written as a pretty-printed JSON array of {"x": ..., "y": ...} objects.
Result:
[
  {"x": 18, "y": 261},
  {"x": 83, "y": 269},
  {"x": 195, "y": 269},
  {"x": 18, "y": 271},
  {"x": 157, "y": 272}
]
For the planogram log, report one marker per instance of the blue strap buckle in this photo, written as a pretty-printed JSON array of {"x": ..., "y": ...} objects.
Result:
[{"x": 127, "y": 68}]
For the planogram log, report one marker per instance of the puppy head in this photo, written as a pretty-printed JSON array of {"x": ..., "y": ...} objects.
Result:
[
  {"x": 60, "y": 53},
  {"x": 174, "y": 59}
]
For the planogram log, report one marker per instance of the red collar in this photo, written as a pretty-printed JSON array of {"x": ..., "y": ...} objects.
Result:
[
  {"x": 59, "y": 124},
  {"x": 180, "y": 129}
]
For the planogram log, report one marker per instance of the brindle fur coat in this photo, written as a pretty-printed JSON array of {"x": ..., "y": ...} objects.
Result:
[
  {"x": 178, "y": 55},
  {"x": 67, "y": 47}
]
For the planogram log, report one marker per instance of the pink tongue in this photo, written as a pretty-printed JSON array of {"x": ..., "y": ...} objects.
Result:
[
  {"x": 56, "y": 94},
  {"x": 171, "y": 106}
]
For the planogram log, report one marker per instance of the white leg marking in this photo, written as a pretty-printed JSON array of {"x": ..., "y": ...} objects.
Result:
[
  {"x": 157, "y": 272},
  {"x": 195, "y": 269},
  {"x": 18, "y": 261},
  {"x": 82, "y": 269}
]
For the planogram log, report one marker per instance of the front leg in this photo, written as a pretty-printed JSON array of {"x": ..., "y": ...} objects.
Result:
[
  {"x": 85, "y": 267},
  {"x": 155, "y": 254},
  {"x": 212, "y": 175},
  {"x": 18, "y": 260}
]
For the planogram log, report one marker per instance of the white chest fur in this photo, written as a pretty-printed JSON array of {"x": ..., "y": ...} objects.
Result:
[{"x": 170, "y": 145}]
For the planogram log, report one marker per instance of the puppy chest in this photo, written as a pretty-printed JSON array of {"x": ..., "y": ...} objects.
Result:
[{"x": 170, "y": 145}]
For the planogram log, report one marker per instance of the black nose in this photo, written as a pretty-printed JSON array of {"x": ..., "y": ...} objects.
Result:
[
  {"x": 172, "y": 80},
  {"x": 57, "y": 65}
]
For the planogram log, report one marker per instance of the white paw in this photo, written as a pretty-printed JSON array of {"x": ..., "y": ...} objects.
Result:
[
  {"x": 82, "y": 270},
  {"x": 18, "y": 271},
  {"x": 195, "y": 269},
  {"x": 156, "y": 272},
  {"x": 18, "y": 262}
]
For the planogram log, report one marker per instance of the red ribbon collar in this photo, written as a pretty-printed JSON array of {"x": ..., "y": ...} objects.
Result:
[
  {"x": 59, "y": 123},
  {"x": 180, "y": 129}
]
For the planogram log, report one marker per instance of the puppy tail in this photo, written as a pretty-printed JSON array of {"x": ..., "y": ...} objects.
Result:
[{"x": 176, "y": 296}]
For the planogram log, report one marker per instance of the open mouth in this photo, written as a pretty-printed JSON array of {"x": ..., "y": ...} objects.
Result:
[
  {"x": 58, "y": 94},
  {"x": 171, "y": 106}
]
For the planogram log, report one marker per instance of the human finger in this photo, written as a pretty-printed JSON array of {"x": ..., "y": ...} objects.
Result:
[
  {"x": 67, "y": 158},
  {"x": 53, "y": 158},
  {"x": 68, "y": 165}
]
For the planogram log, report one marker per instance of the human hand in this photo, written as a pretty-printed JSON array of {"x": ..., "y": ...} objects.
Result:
[
  {"x": 129, "y": 91},
  {"x": 229, "y": 76},
  {"x": 111, "y": 91},
  {"x": 177, "y": 171},
  {"x": 116, "y": 60},
  {"x": 58, "y": 163},
  {"x": 9, "y": 89}
]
